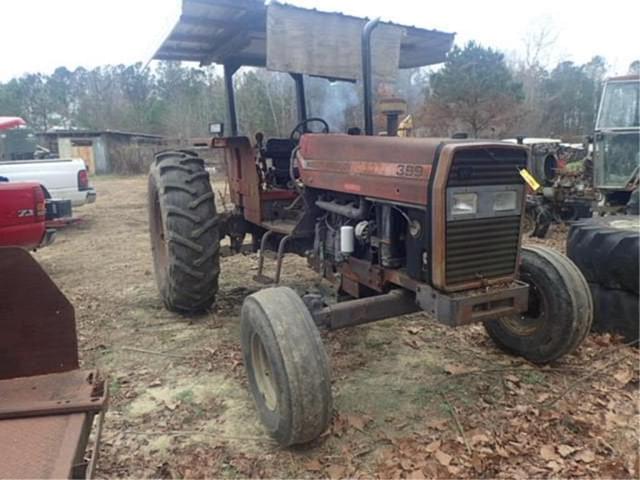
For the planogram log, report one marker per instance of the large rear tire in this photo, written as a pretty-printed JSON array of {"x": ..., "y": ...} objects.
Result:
[
  {"x": 606, "y": 250},
  {"x": 185, "y": 237},
  {"x": 560, "y": 309},
  {"x": 287, "y": 366}
]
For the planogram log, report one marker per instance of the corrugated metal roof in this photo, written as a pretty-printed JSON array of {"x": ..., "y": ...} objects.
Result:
[{"x": 234, "y": 31}]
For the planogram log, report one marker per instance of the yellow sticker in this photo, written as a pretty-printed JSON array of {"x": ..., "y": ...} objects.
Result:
[{"x": 530, "y": 179}]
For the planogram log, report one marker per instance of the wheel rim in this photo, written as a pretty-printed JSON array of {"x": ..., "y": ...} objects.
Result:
[
  {"x": 529, "y": 224},
  {"x": 529, "y": 322},
  {"x": 263, "y": 373}
]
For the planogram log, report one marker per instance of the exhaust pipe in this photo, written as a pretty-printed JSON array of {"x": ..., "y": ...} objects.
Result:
[{"x": 367, "y": 74}]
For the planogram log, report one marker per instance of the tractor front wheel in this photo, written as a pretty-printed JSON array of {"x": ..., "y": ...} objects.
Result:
[
  {"x": 560, "y": 309},
  {"x": 185, "y": 236},
  {"x": 287, "y": 366}
]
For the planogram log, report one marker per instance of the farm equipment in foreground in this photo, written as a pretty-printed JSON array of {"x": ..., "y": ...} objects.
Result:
[
  {"x": 399, "y": 225},
  {"x": 47, "y": 404}
]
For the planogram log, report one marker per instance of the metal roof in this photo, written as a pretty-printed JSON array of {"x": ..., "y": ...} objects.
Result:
[
  {"x": 96, "y": 133},
  {"x": 235, "y": 32}
]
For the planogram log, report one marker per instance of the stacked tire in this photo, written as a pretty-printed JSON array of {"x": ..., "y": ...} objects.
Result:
[{"x": 606, "y": 250}]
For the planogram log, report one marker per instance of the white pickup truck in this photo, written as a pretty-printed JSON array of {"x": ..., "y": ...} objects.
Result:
[{"x": 64, "y": 179}]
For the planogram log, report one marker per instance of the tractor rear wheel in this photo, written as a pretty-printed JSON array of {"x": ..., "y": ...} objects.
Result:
[
  {"x": 560, "y": 309},
  {"x": 287, "y": 366},
  {"x": 185, "y": 236}
]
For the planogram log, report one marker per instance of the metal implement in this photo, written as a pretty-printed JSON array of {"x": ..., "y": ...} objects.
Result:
[
  {"x": 47, "y": 404},
  {"x": 260, "y": 277}
]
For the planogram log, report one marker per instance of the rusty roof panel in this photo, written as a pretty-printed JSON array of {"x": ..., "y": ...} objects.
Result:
[{"x": 234, "y": 31}]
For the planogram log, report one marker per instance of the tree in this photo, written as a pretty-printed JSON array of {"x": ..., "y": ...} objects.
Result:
[
  {"x": 474, "y": 90},
  {"x": 634, "y": 68},
  {"x": 571, "y": 98}
]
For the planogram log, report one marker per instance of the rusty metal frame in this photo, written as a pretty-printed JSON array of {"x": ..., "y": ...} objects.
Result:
[
  {"x": 472, "y": 307},
  {"x": 452, "y": 310},
  {"x": 367, "y": 310},
  {"x": 48, "y": 406}
]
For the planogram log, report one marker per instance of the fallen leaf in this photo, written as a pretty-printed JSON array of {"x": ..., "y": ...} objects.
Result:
[
  {"x": 414, "y": 330},
  {"x": 336, "y": 471},
  {"x": 434, "y": 446},
  {"x": 456, "y": 369},
  {"x": 479, "y": 438},
  {"x": 417, "y": 475},
  {"x": 413, "y": 344},
  {"x": 624, "y": 376},
  {"x": 555, "y": 466},
  {"x": 407, "y": 465},
  {"x": 313, "y": 466},
  {"x": 512, "y": 378},
  {"x": 357, "y": 421},
  {"x": 438, "y": 424},
  {"x": 502, "y": 452},
  {"x": 548, "y": 453},
  {"x": 443, "y": 458},
  {"x": 565, "y": 450},
  {"x": 455, "y": 471},
  {"x": 543, "y": 397},
  {"x": 586, "y": 456}
]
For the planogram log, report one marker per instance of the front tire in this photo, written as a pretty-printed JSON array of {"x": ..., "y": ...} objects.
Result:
[
  {"x": 185, "y": 237},
  {"x": 560, "y": 309},
  {"x": 287, "y": 366}
]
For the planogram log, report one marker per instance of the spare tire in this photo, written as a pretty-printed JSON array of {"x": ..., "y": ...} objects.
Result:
[
  {"x": 615, "y": 311},
  {"x": 606, "y": 251}
]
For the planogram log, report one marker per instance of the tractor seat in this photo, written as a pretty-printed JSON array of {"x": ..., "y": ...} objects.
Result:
[{"x": 279, "y": 151}]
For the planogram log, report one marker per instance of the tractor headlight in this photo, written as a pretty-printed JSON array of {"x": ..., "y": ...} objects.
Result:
[
  {"x": 464, "y": 204},
  {"x": 505, "y": 201}
]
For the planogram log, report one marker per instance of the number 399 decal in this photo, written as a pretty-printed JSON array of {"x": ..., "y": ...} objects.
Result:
[{"x": 412, "y": 171}]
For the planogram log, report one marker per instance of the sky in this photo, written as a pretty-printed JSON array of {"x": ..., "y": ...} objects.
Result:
[{"x": 40, "y": 35}]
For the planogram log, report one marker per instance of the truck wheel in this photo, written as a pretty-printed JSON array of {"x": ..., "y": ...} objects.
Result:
[
  {"x": 287, "y": 366},
  {"x": 616, "y": 311},
  {"x": 560, "y": 309},
  {"x": 185, "y": 237},
  {"x": 606, "y": 251}
]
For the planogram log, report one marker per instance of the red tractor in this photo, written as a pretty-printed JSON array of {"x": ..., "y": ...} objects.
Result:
[{"x": 399, "y": 225}]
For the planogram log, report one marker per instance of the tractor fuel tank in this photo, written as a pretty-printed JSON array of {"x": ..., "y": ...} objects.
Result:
[{"x": 388, "y": 168}]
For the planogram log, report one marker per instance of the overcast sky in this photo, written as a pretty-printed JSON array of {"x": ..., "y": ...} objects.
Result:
[{"x": 40, "y": 35}]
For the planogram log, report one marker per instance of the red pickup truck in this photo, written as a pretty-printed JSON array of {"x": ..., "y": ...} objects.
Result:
[{"x": 24, "y": 212}]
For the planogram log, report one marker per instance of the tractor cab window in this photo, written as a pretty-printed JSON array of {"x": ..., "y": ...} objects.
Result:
[{"x": 620, "y": 106}]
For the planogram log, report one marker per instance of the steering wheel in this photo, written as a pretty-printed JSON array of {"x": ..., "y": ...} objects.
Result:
[{"x": 302, "y": 128}]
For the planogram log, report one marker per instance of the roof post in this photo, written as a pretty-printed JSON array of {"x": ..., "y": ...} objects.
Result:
[
  {"x": 301, "y": 98},
  {"x": 229, "y": 71}
]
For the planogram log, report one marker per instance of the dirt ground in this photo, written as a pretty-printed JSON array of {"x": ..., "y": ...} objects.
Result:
[{"x": 413, "y": 398}]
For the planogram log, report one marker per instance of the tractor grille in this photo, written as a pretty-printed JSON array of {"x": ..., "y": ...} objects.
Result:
[
  {"x": 498, "y": 166},
  {"x": 484, "y": 248}
]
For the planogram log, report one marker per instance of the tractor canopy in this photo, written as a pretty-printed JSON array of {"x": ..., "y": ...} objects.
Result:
[{"x": 298, "y": 41}]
